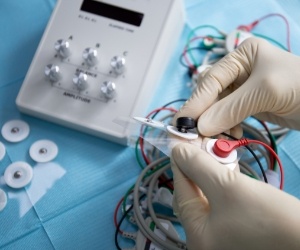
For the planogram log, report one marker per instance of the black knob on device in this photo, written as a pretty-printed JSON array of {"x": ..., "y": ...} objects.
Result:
[{"x": 185, "y": 123}]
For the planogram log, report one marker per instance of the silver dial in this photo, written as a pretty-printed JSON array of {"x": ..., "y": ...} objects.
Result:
[
  {"x": 63, "y": 48},
  {"x": 108, "y": 89},
  {"x": 52, "y": 72},
  {"x": 90, "y": 56},
  {"x": 118, "y": 64},
  {"x": 80, "y": 80}
]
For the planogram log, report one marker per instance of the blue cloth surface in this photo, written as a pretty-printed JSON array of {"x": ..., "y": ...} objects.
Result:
[{"x": 73, "y": 208}]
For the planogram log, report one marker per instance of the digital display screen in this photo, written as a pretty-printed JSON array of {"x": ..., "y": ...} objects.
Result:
[{"x": 112, "y": 12}]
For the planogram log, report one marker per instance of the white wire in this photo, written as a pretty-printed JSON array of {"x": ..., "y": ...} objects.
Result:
[
  {"x": 262, "y": 154},
  {"x": 246, "y": 167},
  {"x": 151, "y": 210},
  {"x": 143, "y": 227}
]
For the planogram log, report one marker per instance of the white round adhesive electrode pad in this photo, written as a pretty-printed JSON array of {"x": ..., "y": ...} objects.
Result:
[
  {"x": 231, "y": 158},
  {"x": 2, "y": 151},
  {"x": 188, "y": 135},
  {"x": 3, "y": 199},
  {"x": 15, "y": 130},
  {"x": 43, "y": 151},
  {"x": 150, "y": 122},
  {"x": 18, "y": 174}
]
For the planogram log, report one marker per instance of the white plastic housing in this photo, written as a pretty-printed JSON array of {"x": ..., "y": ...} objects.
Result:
[
  {"x": 229, "y": 161},
  {"x": 146, "y": 48}
]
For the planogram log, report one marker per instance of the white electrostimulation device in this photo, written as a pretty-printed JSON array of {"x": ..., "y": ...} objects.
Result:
[{"x": 99, "y": 60}]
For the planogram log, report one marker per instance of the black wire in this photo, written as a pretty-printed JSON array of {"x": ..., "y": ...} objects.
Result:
[
  {"x": 273, "y": 143},
  {"x": 167, "y": 104},
  {"x": 121, "y": 221},
  {"x": 127, "y": 212},
  {"x": 178, "y": 100},
  {"x": 119, "y": 225},
  {"x": 253, "y": 154}
]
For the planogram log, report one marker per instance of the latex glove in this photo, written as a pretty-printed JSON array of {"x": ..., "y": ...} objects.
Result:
[
  {"x": 237, "y": 212},
  {"x": 257, "y": 78}
]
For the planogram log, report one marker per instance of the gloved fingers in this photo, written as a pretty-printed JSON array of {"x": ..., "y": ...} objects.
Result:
[
  {"x": 251, "y": 98},
  {"x": 185, "y": 189},
  {"x": 208, "y": 174},
  {"x": 205, "y": 141},
  {"x": 202, "y": 73},
  {"x": 275, "y": 119},
  {"x": 203, "y": 70},
  {"x": 193, "y": 214},
  {"x": 191, "y": 211},
  {"x": 174, "y": 205},
  {"x": 234, "y": 67},
  {"x": 222, "y": 136},
  {"x": 236, "y": 131},
  {"x": 173, "y": 140},
  {"x": 189, "y": 202}
]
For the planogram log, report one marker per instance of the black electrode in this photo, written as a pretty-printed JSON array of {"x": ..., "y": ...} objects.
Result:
[{"x": 185, "y": 123}]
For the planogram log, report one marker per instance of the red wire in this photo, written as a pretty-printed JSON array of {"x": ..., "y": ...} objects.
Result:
[
  {"x": 223, "y": 147},
  {"x": 141, "y": 140},
  {"x": 275, "y": 156},
  {"x": 190, "y": 65},
  {"x": 253, "y": 24},
  {"x": 146, "y": 159},
  {"x": 116, "y": 213},
  {"x": 272, "y": 158},
  {"x": 141, "y": 133}
]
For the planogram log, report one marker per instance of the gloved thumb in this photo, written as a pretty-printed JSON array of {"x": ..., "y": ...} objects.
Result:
[
  {"x": 199, "y": 167},
  {"x": 215, "y": 82},
  {"x": 249, "y": 99}
]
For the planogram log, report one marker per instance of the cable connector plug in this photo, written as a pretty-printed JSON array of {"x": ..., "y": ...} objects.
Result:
[
  {"x": 248, "y": 27},
  {"x": 229, "y": 161},
  {"x": 132, "y": 220},
  {"x": 223, "y": 148},
  {"x": 130, "y": 235}
]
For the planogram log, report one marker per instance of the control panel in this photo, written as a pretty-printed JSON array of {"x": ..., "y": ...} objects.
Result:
[{"x": 99, "y": 60}]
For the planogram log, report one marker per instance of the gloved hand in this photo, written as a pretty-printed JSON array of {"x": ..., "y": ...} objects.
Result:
[
  {"x": 256, "y": 79},
  {"x": 224, "y": 209}
]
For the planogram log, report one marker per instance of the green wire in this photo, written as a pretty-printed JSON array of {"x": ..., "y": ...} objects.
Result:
[
  {"x": 252, "y": 176},
  {"x": 190, "y": 50},
  {"x": 137, "y": 154},
  {"x": 271, "y": 40},
  {"x": 136, "y": 150},
  {"x": 192, "y": 33}
]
